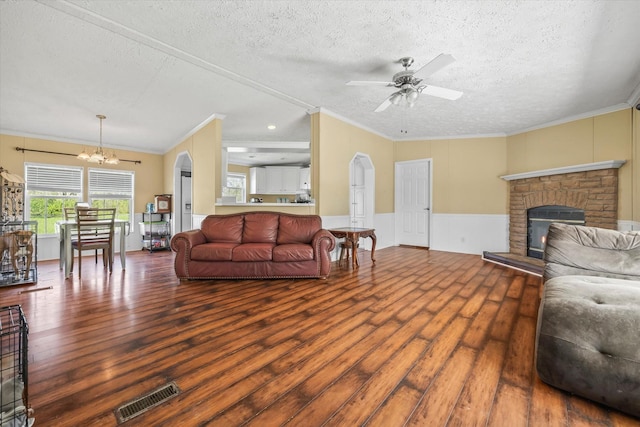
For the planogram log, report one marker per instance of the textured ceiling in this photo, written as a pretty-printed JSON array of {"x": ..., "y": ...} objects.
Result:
[{"x": 160, "y": 69}]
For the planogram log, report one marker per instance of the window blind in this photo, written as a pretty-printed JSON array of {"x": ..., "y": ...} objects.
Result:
[
  {"x": 110, "y": 184},
  {"x": 49, "y": 178}
]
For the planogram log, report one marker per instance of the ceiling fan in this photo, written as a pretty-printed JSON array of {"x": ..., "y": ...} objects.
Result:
[{"x": 409, "y": 82}]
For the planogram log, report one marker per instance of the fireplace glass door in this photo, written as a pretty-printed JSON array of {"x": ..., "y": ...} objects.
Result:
[{"x": 538, "y": 221}]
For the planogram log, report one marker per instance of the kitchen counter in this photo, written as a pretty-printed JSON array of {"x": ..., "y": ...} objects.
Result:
[
  {"x": 290, "y": 204},
  {"x": 294, "y": 208}
]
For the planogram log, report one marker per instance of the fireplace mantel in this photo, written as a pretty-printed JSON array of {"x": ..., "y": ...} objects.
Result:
[{"x": 608, "y": 164}]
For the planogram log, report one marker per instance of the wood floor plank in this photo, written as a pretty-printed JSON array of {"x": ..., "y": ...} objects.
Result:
[
  {"x": 475, "y": 335},
  {"x": 503, "y": 324},
  {"x": 247, "y": 406},
  {"x": 518, "y": 368},
  {"x": 421, "y": 375},
  {"x": 548, "y": 408},
  {"x": 419, "y": 336},
  {"x": 396, "y": 408},
  {"x": 475, "y": 402},
  {"x": 445, "y": 390},
  {"x": 379, "y": 385},
  {"x": 510, "y": 407}
]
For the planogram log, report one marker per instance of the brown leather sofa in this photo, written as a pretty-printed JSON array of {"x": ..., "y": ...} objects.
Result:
[{"x": 254, "y": 245}]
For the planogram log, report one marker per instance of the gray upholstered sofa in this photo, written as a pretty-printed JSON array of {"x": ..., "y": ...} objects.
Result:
[{"x": 588, "y": 332}]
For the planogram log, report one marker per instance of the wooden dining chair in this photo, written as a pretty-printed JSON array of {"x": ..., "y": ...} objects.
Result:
[
  {"x": 95, "y": 228},
  {"x": 70, "y": 215}
]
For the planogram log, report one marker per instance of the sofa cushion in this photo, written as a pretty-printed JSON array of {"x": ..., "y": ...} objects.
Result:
[
  {"x": 293, "y": 252},
  {"x": 298, "y": 229},
  {"x": 223, "y": 228},
  {"x": 213, "y": 251},
  {"x": 253, "y": 252},
  {"x": 260, "y": 227},
  {"x": 591, "y": 251},
  {"x": 587, "y": 339}
]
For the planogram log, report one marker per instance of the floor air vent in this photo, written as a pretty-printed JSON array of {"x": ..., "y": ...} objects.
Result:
[{"x": 144, "y": 403}]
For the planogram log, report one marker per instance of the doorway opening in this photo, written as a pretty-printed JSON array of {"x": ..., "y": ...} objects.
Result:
[
  {"x": 182, "y": 193},
  {"x": 362, "y": 176}
]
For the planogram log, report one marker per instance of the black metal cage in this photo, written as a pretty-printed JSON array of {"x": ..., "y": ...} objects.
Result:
[{"x": 14, "y": 396}]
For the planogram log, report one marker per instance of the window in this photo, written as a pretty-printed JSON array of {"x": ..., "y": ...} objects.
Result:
[
  {"x": 49, "y": 189},
  {"x": 112, "y": 189},
  {"x": 236, "y": 186}
]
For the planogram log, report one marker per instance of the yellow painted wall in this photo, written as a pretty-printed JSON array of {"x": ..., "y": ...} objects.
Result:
[
  {"x": 204, "y": 147},
  {"x": 465, "y": 173},
  {"x": 595, "y": 139},
  {"x": 149, "y": 175},
  {"x": 334, "y": 144}
]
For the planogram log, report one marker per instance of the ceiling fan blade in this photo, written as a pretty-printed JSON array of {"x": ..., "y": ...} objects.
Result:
[
  {"x": 442, "y": 92},
  {"x": 436, "y": 64},
  {"x": 369, "y": 83},
  {"x": 383, "y": 106}
]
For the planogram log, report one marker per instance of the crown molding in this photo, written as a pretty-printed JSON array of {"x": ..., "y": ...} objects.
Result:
[
  {"x": 347, "y": 120},
  {"x": 587, "y": 115}
]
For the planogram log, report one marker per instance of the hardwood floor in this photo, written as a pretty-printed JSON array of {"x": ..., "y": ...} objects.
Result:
[{"x": 422, "y": 338}]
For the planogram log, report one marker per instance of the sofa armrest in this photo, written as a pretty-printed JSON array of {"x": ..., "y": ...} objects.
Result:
[
  {"x": 181, "y": 244},
  {"x": 323, "y": 243}
]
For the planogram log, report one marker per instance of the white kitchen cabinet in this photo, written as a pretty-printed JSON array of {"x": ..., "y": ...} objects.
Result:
[
  {"x": 275, "y": 180},
  {"x": 282, "y": 179}
]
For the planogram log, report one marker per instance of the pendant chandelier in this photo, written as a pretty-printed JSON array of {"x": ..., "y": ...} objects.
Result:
[{"x": 99, "y": 156}]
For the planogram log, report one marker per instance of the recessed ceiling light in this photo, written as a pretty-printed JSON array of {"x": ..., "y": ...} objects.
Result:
[{"x": 271, "y": 127}]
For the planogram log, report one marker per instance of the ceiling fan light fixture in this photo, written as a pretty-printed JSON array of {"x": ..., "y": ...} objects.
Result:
[
  {"x": 396, "y": 98},
  {"x": 408, "y": 83},
  {"x": 412, "y": 95}
]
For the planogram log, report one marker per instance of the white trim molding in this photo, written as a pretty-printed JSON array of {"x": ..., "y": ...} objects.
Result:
[{"x": 608, "y": 164}]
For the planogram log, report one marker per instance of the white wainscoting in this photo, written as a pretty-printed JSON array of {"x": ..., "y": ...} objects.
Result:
[
  {"x": 383, "y": 224},
  {"x": 628, "y": 225},
  {"x": 470, "y": 233},
  {"x": 196, "y": 220}
]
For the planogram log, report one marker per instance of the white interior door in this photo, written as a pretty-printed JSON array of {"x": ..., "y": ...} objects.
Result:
[{"x": 413, "y": 202}]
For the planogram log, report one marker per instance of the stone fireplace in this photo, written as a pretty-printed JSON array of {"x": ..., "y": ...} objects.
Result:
[{"x": 592, "y": 188}]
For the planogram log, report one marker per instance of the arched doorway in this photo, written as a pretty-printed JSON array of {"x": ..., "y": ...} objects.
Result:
[
  {"x": 182, "y": 199},
  {"x": 362, "y": 192}
]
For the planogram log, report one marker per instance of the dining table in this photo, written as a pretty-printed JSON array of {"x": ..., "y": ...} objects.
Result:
[{"x": 65, "y": 230}]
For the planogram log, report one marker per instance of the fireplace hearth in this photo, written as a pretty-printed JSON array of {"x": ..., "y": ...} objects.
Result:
[{"x": 538, "y": 221}]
